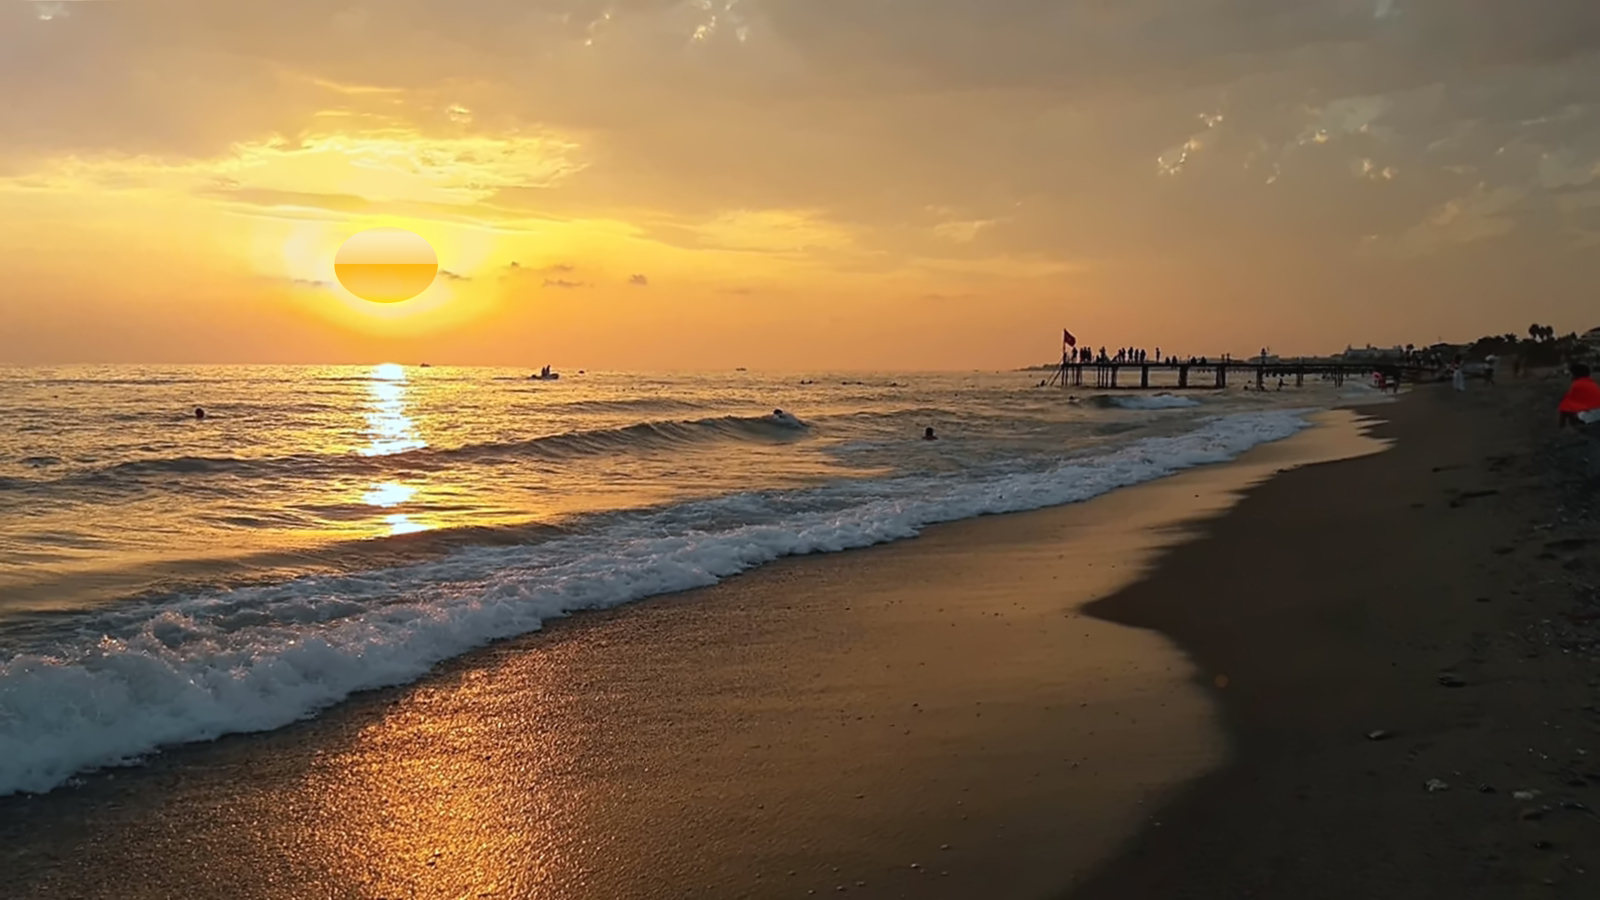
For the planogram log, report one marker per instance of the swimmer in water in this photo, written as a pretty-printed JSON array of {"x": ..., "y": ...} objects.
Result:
[
  {"x": 199, "y": 413},
  {"x": 928, "y": 434}
]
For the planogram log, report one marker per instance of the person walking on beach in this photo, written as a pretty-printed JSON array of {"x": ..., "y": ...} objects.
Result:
[
  {"x": 1458, "y": 375},
  {"x": 1581, "y": 405}
]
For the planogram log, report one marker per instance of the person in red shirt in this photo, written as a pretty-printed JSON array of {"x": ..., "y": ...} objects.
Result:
[{"x": 1582, "y": 402}]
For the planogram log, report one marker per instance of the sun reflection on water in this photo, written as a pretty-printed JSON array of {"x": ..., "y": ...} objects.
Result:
[
  {"x": 389, "y": 493},
  {"x": 391, "y": 430}
]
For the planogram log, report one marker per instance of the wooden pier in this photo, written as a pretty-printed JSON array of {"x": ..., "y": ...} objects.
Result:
[{"x": 1215, "y": 374}]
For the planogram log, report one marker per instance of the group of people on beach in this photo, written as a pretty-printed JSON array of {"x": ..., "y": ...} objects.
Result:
[{"x": 1580, "y": 406}]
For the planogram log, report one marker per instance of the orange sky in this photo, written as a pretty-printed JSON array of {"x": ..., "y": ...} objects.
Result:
[{"x": 659, "y": 184}]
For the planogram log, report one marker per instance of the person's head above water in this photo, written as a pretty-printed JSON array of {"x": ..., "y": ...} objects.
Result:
[
  {"x": 778, "y": 413},
  {"x": 928, "y": 434},
  {"x": 1579, "y": 370},
  {"x": 199, "y": 413}
]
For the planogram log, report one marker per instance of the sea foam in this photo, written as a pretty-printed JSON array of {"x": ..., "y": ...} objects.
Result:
[
  {"x": 1154, "y": 401},
  {"x": 127, "y": 682}
]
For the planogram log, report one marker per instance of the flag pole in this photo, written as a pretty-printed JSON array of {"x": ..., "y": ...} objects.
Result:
[{"x": 1061, "y": 373}]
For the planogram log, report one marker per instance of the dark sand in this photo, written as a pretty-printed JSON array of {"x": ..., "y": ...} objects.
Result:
[
  {"x": 938, "y": 718},
  {"x": 1335, "y": 598}
]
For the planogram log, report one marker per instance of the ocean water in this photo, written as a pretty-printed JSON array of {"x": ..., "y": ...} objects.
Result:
[{"x": 166, "y": 579}]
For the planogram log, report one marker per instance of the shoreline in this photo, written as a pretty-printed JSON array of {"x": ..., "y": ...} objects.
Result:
[{"x": 861, "y": 748}]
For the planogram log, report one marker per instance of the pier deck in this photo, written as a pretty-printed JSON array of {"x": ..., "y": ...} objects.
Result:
[{"x": 1213, "y": 375}]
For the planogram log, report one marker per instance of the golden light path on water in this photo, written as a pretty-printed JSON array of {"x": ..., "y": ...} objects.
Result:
[{"x": 391, "y": 430}]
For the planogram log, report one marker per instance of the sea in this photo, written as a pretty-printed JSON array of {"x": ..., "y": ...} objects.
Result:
[{"x": 166, "y": 578}]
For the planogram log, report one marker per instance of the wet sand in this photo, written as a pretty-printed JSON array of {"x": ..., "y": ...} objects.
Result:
[{"x": 935, "y": 718}]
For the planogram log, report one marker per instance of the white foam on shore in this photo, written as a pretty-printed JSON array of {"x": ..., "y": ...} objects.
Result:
[
  {"x": 1355, "y": 393},
  {"x": 258, "y": 658},
  {"x": 1155, "y": 401}
]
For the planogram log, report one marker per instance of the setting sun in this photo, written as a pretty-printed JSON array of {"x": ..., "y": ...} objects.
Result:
[{"x": 386, "y": 265}]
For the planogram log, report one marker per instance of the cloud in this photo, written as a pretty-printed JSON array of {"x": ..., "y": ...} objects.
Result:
[
  {"x": 638, "y": 281},
  {"x": 962, "y": 232},
  {"x": 1484, "y": 214},
  {"x": 1366, "y": 168},
  {"x": 1173, "y": 160},
  {"x": 828, "y": 143}
]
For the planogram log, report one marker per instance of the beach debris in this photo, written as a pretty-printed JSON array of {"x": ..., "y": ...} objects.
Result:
[
  {"x": 1451, "y": 681},
  {"x": 1524, "y": 795},
  {"x": 1379, "y": 735},
  {"x": 1434, "y": 785}
]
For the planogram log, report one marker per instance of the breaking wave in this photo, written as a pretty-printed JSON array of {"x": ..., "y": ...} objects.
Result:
[{"x": 103, "y": 688}]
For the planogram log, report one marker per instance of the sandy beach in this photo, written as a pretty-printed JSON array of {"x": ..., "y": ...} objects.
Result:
[
  {"x": 1439, "y": 598},
  {"x": 1162, "y": 692}
]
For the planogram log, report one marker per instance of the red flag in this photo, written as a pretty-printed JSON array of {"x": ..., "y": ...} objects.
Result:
[{"x": 1066, "y": 336}]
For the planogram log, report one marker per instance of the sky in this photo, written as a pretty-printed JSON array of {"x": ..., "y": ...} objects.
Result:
[{"x": 794, "y": 184}]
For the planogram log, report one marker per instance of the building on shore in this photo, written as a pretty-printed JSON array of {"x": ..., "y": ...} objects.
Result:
[{"x": 1370, "y": 353}]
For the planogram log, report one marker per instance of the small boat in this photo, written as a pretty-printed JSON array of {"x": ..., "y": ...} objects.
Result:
[
  {"x": 424, "y": 365},
  {"x": 545, "y": 374}
]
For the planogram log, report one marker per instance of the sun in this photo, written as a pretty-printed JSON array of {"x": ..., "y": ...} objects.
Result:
[{"x": 386, "y": 265}]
